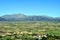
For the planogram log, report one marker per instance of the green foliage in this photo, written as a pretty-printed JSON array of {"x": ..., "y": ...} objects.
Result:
[{"x": 25, "y": 30}]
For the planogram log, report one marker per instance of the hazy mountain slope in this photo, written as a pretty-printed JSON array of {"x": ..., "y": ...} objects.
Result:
[
  {"x": 2, "y": 19},
  {"x": 14, "y": 17},
  {"x": 22, "y": 17},
  {"x": 57, "y": 19},
  {"x": 40, "y": 18}
]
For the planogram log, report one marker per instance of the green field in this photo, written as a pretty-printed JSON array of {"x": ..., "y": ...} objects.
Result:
[{"x": 25, "y": 30}]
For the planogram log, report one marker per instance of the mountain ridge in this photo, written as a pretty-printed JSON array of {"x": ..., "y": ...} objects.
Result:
[{"x": 22, "y": 17}]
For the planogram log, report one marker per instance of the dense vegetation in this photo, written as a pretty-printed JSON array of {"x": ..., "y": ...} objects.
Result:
[{"x": 29, "y": 30}]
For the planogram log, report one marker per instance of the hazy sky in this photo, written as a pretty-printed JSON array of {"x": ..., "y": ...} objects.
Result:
[{"x": 30, "y": 7}]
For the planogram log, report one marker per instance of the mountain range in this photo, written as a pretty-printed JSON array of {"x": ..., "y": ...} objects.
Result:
[{"x": 22, "y": 17}]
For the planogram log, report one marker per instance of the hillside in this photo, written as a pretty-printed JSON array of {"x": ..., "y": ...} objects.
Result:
[
  {"x": 22, "y": 17},
  {"x": 2, "y": 19}
]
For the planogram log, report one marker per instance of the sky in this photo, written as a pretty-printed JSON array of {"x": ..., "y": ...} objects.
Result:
[{"x": 30, "y": 7}]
